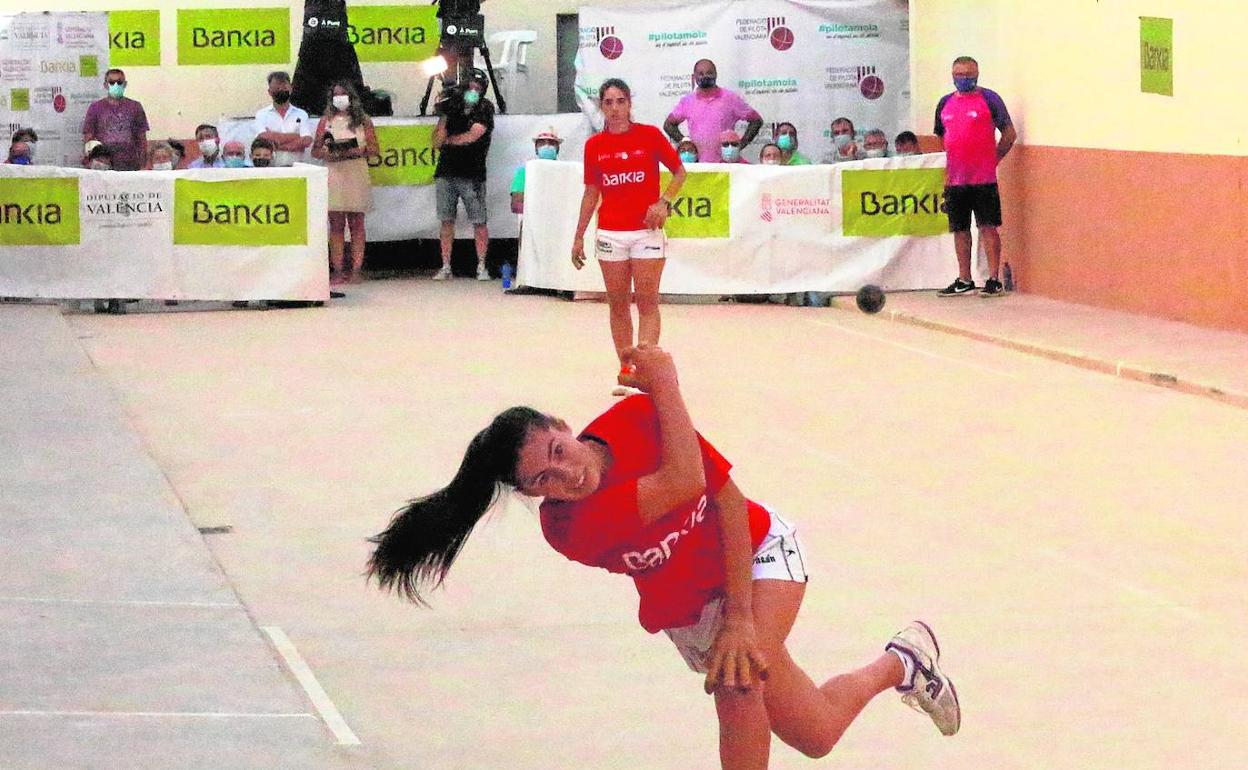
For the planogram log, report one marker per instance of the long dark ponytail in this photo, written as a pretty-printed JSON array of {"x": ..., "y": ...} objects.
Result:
[{"x": 416, "y": 551}]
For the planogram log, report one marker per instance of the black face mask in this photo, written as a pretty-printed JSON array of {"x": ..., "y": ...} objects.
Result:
[
  {"x": 706, "y": 81},
  {"x": 281, "y": 97},
  {"x": 261, "y": 162}
]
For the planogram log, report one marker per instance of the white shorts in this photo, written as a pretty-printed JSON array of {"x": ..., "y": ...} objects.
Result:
[
  {"x": 623, "y": 245},
  {"x": 779, "y": 557}
]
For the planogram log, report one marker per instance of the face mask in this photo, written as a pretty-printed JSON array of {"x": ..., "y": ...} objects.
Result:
[
  {"x": 281, "y": 97},
  {"x": 965, "y": 85},
  {"x": 706, "y": 81},
  {"x": 688, "y": 157},
  {"x": 262, "y": 162},
  {"x": 208, "y": 147},
  {"x": 785, "y": 142},
  {"x": 771, "y": 162},
  {"x": 166, "y": 166},
  {"x": 99, "y": 165},
  {"x": 116, "y": 90},
  {"x": 20, "y": 160},
  {"x": 876, "y": 153},
  {"x": 234, "y": 161},
  {"x": 342, "y": 102},
  {"x": 729, "y": 153},
  {"x": 472, "y": 97},
  {"x": 842, "y": 141},
  {"x": 546, "y": 152}
]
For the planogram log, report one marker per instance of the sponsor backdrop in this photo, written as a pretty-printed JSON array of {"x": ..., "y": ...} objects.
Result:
[
  {"x": 196, "y": 235},
  {"x": 51, "y": 69},
  {"x": 763, "y": 229},
  {"x": 795, "y": 62}
]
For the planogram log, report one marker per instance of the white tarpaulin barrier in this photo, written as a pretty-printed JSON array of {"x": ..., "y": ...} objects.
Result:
[
  {"x": 215, "y": 234},
  {"x": 801, "y": 62},
  {"x": 763, "y": 229},
  {"x": 51, "y": 69},
  {"x": 403, "y": 197}
]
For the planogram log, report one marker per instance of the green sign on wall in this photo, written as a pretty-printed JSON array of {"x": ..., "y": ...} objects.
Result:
[
  {"x": 393, "y": 32},
  {"x": 39, "y": 212},
  {"x": 234, "y": 36},
  {"x": 406, "y": 157},
  {"x": 246, "y": 212},
  {"x": 1157, "y": 55},
  {"x": 701, "y": 210},
  {"x": 903, "y": 201},
  {"x": 134, "y": 38}
]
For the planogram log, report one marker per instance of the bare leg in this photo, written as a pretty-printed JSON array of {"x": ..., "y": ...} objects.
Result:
[
  {"x": 744, "y": 730},
  {"x": 618, "y": 277},
  {"x": 646, "y": 276},
  {"x": 447, "y": 237},
  {"x": 481, "y": 234},
  {"x": 337, "y": 228},
  {"x": 991, "y": 239},
  {"x": 962, "y": 245},
  {"x": 355, "y": 221}
]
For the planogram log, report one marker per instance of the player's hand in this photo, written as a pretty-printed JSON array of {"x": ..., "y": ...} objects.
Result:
[
  {"x": 578, "y": 253},
  {"x": 652, "y": 366},
  {"x": 852, "y": 149},
  {"x": 737, "y": 661},
  {"x": 656, "y": 215}
]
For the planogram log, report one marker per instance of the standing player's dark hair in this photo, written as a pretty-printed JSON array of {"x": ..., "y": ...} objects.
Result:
[
  {"x": 614, "y": 83},
  {"x": 416, "y": 551},
  {"x": 965, "y": 60}
]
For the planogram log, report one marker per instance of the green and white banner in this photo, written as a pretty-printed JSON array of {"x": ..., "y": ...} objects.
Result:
[
  {"x": 234, "y": 36},
  {"x": 403, "y": 33},
  {"x": 134, "y": 38},
  {"x": 212, "y": 234},
  {"x": 740, "y": 229}
]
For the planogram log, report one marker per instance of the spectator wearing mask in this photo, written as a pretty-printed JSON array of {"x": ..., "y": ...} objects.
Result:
[
  {"x": 161, "y": 157},
  {"x": 906, "y": 144},
  {"x": 31, "y": 140},
  {"x": 99, "y": 158},
  {"x": 262, "y": 152},
  {"x": 234, "y": 155},
  {"x": 209, "y": 148},
  {"x": 345, "y": 139},
  {"x": 845, "y": 148},
  {"x": 874, "y": 144},
  {"x": 179, "y": 152},
  {"x": 771, "y": 155},
  {"x": 119, "y": 123},
  {"x": 288, "y": 127},
  {"x": 462, "y": 139},
  {"x": 786, "y": 140},
  {"x": 710, "y": 111},
  {"x": 546, "y": 146},
  {"x": 730, "y": 147},
  {"x": 20, "y": 154},
  {"x": 688, "y": 150}
]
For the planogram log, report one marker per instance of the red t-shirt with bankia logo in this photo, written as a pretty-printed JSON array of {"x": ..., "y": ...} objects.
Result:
[
  {"x": 676, "y": 561},
  {"x": 625, "y": 168}
]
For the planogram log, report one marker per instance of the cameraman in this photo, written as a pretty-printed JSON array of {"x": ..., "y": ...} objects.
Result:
[{"x": 462, "y": 139}]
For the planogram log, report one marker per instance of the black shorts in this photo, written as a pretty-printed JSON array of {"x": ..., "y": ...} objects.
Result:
[{"x": 982, "y": 199}]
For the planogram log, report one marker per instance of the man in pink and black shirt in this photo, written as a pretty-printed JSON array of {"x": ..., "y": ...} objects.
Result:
[
  {"x": 967, "y": 121},
  {"x": 710, "y": 111}
]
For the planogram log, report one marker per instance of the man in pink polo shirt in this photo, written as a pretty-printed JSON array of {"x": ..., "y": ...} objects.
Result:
[
  {"x": 710, "y": 111},
  {"x": 967, "y": 122}
]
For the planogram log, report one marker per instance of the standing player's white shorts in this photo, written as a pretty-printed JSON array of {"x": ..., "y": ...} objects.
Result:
[
  {"x": 623, "y": 245},
  {"x": 779, "y": 557}
]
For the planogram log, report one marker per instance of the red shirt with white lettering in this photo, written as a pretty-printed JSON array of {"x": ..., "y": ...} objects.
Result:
[
  {"x": 677, "y": 561},
  {"x": 625, "y": 168}
]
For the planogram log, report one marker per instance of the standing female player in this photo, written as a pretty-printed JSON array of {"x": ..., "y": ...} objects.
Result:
[
  {"x": 639, "y": 492},
  {"x": 622, "y": 171}
]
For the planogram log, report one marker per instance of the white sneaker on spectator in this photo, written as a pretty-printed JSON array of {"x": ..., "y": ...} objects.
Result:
[
  {"x": 443, "y": 274},
  {"x": 483, "y": 273}
]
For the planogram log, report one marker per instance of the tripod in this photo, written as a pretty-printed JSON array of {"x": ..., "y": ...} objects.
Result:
[{"x": 460, "y": 37}]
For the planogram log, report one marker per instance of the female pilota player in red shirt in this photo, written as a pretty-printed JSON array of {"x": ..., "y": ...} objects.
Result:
[
  {"x": 622, "y": 171},
  {"x": 640, "y": 492}
]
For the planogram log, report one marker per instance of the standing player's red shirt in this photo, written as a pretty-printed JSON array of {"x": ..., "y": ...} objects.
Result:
[
  {"x": 676, "y": 561},
  {"x": 625, "y": 167}
]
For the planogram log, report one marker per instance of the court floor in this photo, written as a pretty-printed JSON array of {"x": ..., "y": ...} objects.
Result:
[{"x": 1076, "y": 541}]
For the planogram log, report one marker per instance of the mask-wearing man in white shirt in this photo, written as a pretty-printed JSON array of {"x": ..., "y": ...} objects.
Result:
[{"x": 284, "y": 124}]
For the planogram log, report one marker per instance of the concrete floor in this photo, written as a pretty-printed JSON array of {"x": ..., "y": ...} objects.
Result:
[{"x": 1076, "y": 540}]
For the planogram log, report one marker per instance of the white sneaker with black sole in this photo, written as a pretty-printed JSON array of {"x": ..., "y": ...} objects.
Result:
[{"x": 928, "y": 690}]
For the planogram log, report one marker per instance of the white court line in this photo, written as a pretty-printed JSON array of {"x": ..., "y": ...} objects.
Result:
[
  {"x": 1153, "y": 597},
  {"x": 918, "y": 351},
  {"x": 320, "y": 699},
  {"x": 121, "y": 602},
  {"x": 157, "y": 714}
]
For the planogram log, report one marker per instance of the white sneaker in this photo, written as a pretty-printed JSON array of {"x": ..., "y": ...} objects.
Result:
[
  {"x": 929, "y": 690},
  {"x": 483, "y": 274},
  {"x": 443, "y": 274}
]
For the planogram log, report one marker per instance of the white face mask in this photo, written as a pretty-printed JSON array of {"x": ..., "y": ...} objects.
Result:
[
  {"x": 771, "y": 162},
  {"x": 166, "y": 166},
  {"x": 876, "y": 153},
  {"x": 32, "y": 151},
  {"x": 208, "y": 147},
  {"x": 99, "y": 165},
  {"x": 342, "y": 101}
]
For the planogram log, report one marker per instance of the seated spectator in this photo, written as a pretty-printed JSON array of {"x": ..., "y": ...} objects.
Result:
[
  {"x": 179, "y": 152},
  {"x": 875, "y": 144},
  {"x": 843, "y": 139},
  {"x": 20, "y": 153},
  {"x": 688, "y": 150},
  {"x": 546, "y": 147},
  {"x": 730, "y": 147},
  {"x": 161, "y": 157},
  {"x": 771, "y": 155},
  {"x": 209, "y": 147},
  {"x": 99, "y": 157},
  {"x": 262, "y": 152},
  {"x": 906, "y": 144},
  {"x": 786, "y": 140},
  {"x": 234, "y": 155},
  {"x": 30, "y": 139}
]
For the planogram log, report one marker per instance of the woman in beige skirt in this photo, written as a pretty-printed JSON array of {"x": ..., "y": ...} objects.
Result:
[{"x": 345, "y": 139}]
